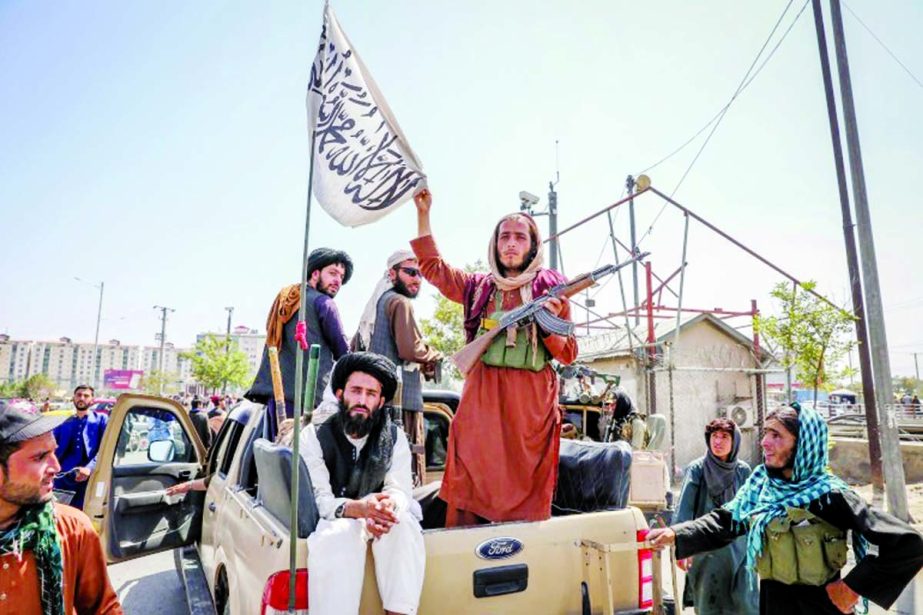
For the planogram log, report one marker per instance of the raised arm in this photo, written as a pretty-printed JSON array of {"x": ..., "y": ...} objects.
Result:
[{"x": 449, "y": 280}]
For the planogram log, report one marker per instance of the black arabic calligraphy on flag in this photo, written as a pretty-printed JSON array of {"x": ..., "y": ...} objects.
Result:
[{"x": 363, "y": 165}]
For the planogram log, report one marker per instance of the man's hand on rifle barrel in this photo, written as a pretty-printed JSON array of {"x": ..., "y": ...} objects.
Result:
[{"x": 554, "y": 305}]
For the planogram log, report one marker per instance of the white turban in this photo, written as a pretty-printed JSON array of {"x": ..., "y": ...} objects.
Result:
[{"x": 367, "y": 321}]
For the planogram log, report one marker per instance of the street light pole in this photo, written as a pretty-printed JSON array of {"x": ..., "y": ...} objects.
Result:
[
  {"x": 163, "y": 339},
  {"x": 99, "y": 316},
  {"x": 227, "y": 345}
]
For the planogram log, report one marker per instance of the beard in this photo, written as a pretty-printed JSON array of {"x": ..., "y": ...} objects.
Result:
[
  {"x": 81, "y": 405},
  {"x": 358, "y": 425},
  {"x": 23, "y": 494},
  {"x": 401, "y": 288},
  {"x": 780, "y": 472},
  {"x": 325, "y": 288}
]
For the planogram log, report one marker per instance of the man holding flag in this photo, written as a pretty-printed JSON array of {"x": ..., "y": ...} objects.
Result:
[{"x": 502, "y": 461}]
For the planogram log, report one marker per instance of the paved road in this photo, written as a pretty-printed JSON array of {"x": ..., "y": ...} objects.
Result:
[{"x": 150, "y": 585}]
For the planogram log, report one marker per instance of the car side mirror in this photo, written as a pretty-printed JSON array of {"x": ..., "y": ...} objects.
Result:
[{"x": 161, "y": 451}]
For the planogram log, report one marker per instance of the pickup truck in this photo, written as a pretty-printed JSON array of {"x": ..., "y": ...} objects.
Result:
[{"x": 592, "y": 562}]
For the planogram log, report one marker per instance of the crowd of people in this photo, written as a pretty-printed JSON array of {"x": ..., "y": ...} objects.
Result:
[{"x": 770, "y": 540}]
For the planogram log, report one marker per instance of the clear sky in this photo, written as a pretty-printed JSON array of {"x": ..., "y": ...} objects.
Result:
[{"x": 161, "y": 147}]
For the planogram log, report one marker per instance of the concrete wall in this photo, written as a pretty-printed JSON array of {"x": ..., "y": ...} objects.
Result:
[
  {"x": 697, "y": 395},
  {"x": 849, "y": 459}
]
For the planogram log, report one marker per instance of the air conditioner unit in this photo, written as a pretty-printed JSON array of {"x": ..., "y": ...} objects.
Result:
[{"x": 741, "y": 415}]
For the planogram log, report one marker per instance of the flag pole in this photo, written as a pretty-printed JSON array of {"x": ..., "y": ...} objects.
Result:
[{"x": 299, "y": 385}]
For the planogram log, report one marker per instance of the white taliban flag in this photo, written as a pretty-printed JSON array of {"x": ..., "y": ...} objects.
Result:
[{"x": 363, "y": 166}]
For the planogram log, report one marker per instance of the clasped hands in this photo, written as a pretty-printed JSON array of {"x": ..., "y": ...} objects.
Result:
[{"x": 377, "y": 510}]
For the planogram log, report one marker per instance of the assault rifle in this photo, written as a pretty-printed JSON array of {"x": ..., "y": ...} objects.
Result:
[{"x": 466, "y": 358}]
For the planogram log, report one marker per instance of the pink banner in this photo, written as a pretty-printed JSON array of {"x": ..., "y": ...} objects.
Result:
[{"x": 122, "y": 378}]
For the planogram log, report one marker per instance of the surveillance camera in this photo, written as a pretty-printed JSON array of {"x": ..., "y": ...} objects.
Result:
[{"x": 528, "y": 198}]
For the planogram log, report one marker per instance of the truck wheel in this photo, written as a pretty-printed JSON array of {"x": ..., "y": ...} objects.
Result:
[
  {"x": 222, "y": 594},
  {"x": 586, "y": 609}
]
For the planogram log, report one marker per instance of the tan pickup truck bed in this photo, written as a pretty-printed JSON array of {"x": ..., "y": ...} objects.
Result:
[{"x": 581, "y": 563}]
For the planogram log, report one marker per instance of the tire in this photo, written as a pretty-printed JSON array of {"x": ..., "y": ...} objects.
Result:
[{"x": 222, "y": 594}]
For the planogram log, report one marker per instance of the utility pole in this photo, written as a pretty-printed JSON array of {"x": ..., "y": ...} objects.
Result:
[
  {"x": 163, "y": 339},
  {"x": 892, "y": 462},
  {"x": 916, "y": 366},
  {"x": 227, "y": 345},
  {"x": 852, "y": 261},
  {"x": 553, "y": 223},
  {"x": 630, "y": 186}
]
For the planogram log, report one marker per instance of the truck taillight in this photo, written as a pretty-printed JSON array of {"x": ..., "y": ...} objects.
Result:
[
  {"x": 645, "y": 574},
  {"x": 275, "y": 594}
]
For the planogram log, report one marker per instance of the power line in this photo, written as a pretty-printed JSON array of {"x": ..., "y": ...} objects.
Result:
[
  {"x": 716, "y": 120},
  {"x": 885, "y": 47}
]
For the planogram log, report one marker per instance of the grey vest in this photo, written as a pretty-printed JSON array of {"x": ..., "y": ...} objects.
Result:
[
  {"x": 382, "y": 342},
  {"x": 261, "y": 390}
]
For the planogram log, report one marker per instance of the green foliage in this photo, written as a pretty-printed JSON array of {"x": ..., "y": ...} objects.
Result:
[
  {"x": 153, "y": 380},
  {"x": 217, "y": 362},
  {"x": 445, "y": 331},
  {"x": 10, "y": 389},
  {"x": 37, "y": 387},
  {"x": 905, "y": 383},
  {"x": 812, "y": 334}
]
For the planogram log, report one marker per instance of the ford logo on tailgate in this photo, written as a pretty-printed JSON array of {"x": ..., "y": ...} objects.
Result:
[{"x": 498, "y": 548}]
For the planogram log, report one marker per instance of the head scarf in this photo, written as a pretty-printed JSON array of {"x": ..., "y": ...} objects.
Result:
[
  {"x": 764, "y": 498},
  {"x": 323, "y": 257},
  {"x": 721, "y": 477},
  {"x": 36, "y": 531},
  {"x": 367, "y": 321},
  {"x": 379, "y": 367}
]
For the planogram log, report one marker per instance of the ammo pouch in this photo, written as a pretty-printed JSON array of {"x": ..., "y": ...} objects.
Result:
[
  {"x": 519, "y": 356},
  {"x": 801, "y": 548}
]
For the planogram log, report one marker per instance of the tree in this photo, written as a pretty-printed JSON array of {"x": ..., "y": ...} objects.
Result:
[
  {"x": 156, "y": 381},
  {"x": 217, "y": 362},
  {"x": 37, "y": 387},
  {"x": 445, "y": 331},
  {"x": 10, "y": 389},
  {"x": 812, "y": 334}
]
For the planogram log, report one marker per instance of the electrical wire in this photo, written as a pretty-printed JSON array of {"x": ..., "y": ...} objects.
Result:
[
  {"x": 885, "y": 47},
  {"x": 716, "y": 120}
]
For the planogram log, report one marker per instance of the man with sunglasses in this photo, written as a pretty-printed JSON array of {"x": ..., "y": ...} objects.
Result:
[{"x": 388, "y": 327}]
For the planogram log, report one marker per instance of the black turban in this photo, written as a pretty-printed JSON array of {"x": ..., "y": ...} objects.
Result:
[
  {"x": 322, "y": 257},
  {"x": 379, "y": 367}
]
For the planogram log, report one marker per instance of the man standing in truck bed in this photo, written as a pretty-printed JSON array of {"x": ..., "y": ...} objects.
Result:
[
  {"x": 503, "y": 446},
  {"x": 328, "y": 271}
]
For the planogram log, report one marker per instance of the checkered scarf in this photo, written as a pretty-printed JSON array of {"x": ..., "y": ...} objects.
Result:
[
  {"x": 36, "y": 531},
  {"x": 764, "y": 498}
]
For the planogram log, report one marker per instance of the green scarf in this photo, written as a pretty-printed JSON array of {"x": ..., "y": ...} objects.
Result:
[
  {"x": 763, "y": 498},
  {"x": 36, "y": 531}
]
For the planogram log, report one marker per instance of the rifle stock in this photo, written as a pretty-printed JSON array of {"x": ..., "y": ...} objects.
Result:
[
  {"x": 278, "y": 392},
  {"x": 466, "y": 358}
]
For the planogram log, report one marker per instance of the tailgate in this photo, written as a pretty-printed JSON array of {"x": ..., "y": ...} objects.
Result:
[{"x": 531, "y": 567}]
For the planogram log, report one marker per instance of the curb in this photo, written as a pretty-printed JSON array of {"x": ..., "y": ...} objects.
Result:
[{"x": 198, "y": 598}]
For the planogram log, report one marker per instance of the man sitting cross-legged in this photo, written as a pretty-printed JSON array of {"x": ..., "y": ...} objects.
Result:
[{"x": 359, "y": 463}]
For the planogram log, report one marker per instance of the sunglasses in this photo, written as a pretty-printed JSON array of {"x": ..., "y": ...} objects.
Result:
[{"x": 411, "y": 271}]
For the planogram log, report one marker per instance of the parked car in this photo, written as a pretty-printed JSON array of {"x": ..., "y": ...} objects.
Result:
[{"x": 578, "y": 563}]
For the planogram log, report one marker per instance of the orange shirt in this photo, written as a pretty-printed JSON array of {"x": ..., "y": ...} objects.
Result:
[{"x": 87, "y": 589}]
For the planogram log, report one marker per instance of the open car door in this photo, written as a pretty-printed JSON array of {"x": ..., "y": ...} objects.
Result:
[{"x": 149, "y": 445}]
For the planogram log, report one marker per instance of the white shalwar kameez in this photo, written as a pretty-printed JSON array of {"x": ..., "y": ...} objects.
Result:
[{"x": 337, "y": 548}]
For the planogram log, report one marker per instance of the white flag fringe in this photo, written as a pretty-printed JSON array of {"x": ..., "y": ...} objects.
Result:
[{"x": 363, "y": 166}]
